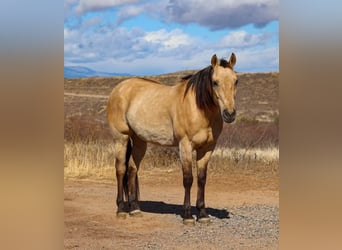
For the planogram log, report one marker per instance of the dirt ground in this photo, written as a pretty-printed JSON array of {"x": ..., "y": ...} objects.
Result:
[{"x": 243, "y": 208}]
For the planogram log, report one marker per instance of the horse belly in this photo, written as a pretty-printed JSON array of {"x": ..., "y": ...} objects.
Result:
[
  {"x": 153, "y": 130},
  {"x": 149, "y": 115}
]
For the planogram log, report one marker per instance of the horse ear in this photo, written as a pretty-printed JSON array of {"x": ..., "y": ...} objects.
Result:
[
  {"x": 232, "y": 61},
  {"x": 214, "y": 60}
]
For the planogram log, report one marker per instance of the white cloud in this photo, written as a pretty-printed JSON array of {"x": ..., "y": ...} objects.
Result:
[
  {"x": 258, "y": 60},
  {"x": 114, "y": 49},
  {"x": 240, "y": 39},
  {"x": 168, "y": 40},
  {"x": 95, "y": 5},
  {"x": 129, "y": 11},
  {"x": 248, "y": 60}
]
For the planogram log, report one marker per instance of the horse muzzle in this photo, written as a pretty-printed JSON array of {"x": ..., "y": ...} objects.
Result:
[{"x": 228, "y": 117}]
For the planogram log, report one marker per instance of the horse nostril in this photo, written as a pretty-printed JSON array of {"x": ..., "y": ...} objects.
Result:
[
  {"x": 228, "y": 117},
  {"x": 227, "y": 113}
]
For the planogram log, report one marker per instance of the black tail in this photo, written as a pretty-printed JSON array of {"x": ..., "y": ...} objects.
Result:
[{"x": 125, "y": 179}]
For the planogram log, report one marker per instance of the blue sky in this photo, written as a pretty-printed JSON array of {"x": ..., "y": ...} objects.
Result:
[{"x": 156, "y": 37}]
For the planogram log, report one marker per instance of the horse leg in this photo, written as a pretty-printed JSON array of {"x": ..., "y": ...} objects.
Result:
[
  {"x": 203, "y": 156},
  {"x": 185, "y": 150},
  {"x": 120, "y": 148},
  {"x": 138, "y": 152}
]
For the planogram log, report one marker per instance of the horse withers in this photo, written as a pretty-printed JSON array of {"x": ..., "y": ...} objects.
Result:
[{"x": 189, "y": 115}]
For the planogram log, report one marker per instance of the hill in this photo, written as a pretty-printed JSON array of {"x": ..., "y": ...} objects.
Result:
[{"x": 79, "y": 72}]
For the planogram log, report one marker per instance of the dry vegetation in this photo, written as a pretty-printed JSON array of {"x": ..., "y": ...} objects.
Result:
[{"x": 250, "y": 144}]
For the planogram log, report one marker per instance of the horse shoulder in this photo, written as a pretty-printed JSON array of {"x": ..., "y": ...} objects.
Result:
[{"x": 194, "y": 123}]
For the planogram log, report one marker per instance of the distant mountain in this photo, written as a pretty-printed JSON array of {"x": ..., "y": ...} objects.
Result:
[{"x": 84, "y": 72}]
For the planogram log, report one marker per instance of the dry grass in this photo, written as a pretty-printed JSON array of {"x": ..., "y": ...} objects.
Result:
[
  {"x": 265, "y": 156},
  {"x": 96, "y": 160},
  {"x": 88, "y": 159}
]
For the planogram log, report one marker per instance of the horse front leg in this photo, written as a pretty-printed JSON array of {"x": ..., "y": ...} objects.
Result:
[
  {"x": 185, "y": 150},
  {"x": 203, "y": 156}
]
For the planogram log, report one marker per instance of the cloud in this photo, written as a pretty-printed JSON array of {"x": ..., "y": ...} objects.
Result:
[
  {"x": 217, "y": 15},
  {"x": 168, "y": 40},
  {"x": 111, "y": 48},
  {"x": 99, "y": 42},
  {"x": 214, "y": 15},
  {"x": 110, "y": 41},
  {"x": 84, "y": 6},
  {"x": 127, "y": 12},
  {"x": 248, "y": 60},
  {"x": 241, "y": 39},
  {"x": 223, "y": 14},
  {"x": 258, "y": 60}
]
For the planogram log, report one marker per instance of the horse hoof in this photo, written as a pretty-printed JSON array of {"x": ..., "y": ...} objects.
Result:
[
  {"x": 204, "y": 220},
  {"x": 121, "y": 215},
  {"x": 136, "y": 213},
  {"x": 189, "y": 222}
]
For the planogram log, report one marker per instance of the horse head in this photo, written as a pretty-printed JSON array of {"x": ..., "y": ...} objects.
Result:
[{"x": 224, "y": 81}]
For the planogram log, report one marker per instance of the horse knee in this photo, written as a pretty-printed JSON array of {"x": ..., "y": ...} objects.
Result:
[
  {"x": 201, "y": 182},
  {"x": 131, "y": 167},
  {"x": 120, "y": 169},
  {"x": 187, "y": 180},
  {"x": 201, "y": 179}
]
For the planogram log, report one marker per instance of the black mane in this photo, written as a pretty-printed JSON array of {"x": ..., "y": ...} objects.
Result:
[
  {"x": 201, "y": 83},
  {"x": 224, "y": 64}
]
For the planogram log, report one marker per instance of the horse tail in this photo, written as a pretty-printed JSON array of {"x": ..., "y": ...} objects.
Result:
[
  {"x": 125, "y": 179},
  {"x": 137, "y": 187}
]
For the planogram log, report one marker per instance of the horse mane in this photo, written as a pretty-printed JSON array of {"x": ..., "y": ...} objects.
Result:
[{"x": 202, "y": 84}]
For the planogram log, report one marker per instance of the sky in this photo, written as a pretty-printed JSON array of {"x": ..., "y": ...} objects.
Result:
[{"x": 146, "y": 37}]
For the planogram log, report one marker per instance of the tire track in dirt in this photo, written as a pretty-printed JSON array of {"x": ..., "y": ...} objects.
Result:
[{"x": 85, "y": 95}]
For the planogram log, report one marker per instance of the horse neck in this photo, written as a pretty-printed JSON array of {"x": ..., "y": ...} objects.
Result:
[{"x": 190, "y": 102}]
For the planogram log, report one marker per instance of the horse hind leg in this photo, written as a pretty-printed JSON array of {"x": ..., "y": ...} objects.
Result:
[
  {"x": 138, "y": 151},
  {"x": 120, "y": 147}
]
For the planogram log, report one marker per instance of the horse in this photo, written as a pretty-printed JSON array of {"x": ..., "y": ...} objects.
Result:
[{"x": 189, "y": 115}]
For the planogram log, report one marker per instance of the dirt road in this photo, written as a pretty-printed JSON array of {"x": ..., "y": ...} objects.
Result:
[{"x": 243, "y": 208}]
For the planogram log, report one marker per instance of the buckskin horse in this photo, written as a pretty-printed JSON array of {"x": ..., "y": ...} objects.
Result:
[{"x": 189, "y": 115}]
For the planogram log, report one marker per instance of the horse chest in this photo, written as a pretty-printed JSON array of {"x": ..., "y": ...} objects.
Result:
[{"x": 202, "y": 137}]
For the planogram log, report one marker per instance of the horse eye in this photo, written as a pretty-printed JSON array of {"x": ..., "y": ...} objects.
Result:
[{"x": 215, "y": 83}]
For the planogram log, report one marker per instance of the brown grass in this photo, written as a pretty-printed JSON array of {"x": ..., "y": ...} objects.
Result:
[{"x": 96, "y": 159}]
